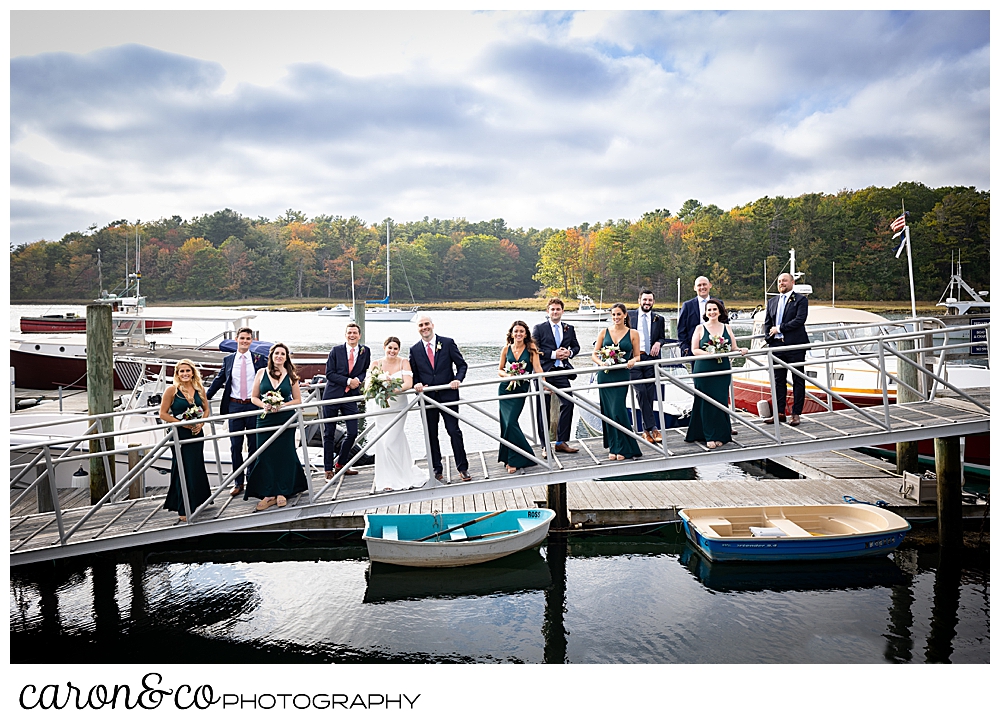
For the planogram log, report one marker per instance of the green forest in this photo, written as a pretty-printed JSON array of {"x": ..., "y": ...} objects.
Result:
[{"x": 224, "y": 256}]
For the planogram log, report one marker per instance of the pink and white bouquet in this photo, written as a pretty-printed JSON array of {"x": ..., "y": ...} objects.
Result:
[
  {"x": 271, "y": 398},
  {"x": 718, "y": 345},
  {"x": 612, "y": 355},
  {"x": 381, "y": 387},
  {"x": 515, "y": 369}
]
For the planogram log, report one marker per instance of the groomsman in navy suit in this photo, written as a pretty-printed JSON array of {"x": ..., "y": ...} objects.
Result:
[
  {"x": 785, "y": 322},
  {"x": 346, "y": 367},
  {"x": 692, "y": 314},
  {"x": 235, "y": 379},
  {"x": 557, "y": 344},
  {"x": 652, "y": 334},
  {"x": 437, "y": 361}
]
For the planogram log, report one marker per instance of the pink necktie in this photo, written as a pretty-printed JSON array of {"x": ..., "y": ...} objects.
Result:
[
  {"x": 243, "y": 377},
  {"x": 350, "y": 365},
  {"x": 430, "y": 354}
]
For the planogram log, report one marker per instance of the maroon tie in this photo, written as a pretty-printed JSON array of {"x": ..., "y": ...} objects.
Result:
[{"x": 430, "y": 355}]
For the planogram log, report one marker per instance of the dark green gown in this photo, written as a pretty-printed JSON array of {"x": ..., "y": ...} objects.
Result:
[
  {"x": 613, "y": 403},
  {"x": 193, "y": 456},
  {"x": 707, "y": 421},
  {"x": 510, "y": 412},
  {"x": 277, "y": 470}
]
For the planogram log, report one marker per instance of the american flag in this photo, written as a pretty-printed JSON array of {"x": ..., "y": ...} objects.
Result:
[{"x": 898, "y": 223}]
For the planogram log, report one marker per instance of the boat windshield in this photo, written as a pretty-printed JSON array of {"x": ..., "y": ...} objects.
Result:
[{"x": 847, "y": 332}]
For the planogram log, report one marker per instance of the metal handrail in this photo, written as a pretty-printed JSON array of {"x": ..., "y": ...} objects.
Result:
[{"x": 542, "y": 385}]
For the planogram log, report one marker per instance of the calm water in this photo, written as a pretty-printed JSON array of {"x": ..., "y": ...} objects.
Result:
[{"x": 642, "y": 599}]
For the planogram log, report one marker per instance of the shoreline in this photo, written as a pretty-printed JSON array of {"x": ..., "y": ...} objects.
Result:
[{"x": 927, "y": 308}]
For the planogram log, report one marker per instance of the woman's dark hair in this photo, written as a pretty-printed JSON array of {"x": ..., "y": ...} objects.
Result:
[
  {"x": 392, "y": 339},
  {"x": 274, "y": 371},
  {"x": 619, "y": 305},
  {"x": 723, "y": 314},
  {"x": 528, "y": 341}
]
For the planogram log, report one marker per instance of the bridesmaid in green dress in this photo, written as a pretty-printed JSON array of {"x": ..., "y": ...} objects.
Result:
[
  {"x": 620, "y": 445},
  {"x": 708, "y": 423},
  {"x": 186, "y": 392},
  {"x": 519, "y": 348},
  {"x": 277, "y": 474}
]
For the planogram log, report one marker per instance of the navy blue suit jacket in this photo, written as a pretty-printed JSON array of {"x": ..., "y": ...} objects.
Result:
[
  {"x": 546, "y": 343},
  {"x": 449, "y": 364},
  {"x": 337, "y": 374},
  {"x": 225, "y": 376},
  {"x": 687, "y": 322},
  {"x": 657, "y": 327},
  {"x": 793, "y": 327}
]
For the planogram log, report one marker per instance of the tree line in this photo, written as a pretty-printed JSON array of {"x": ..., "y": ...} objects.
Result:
[{"x": 225, "y": 256}]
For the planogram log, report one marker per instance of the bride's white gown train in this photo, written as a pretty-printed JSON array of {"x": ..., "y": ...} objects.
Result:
[{"x": 394, "y": 468}]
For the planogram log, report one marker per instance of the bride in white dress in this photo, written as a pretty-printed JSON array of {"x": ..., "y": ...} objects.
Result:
[{"x": 394, "y": 468}]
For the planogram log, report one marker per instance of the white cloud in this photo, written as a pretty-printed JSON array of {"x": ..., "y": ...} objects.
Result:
[{"x": 543, "y": 119}]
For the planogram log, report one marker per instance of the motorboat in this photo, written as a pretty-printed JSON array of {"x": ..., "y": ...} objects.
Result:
[
  {"x": 587, "y": 312},
  {"x": 341, "y": 310},
  {"x": 793, "y": 532},
  {"x": 447, "y": 540},
  {"x": 72, "y": 322}
]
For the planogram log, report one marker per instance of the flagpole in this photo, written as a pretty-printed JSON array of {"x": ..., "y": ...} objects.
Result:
[{"x": 909, "y": 261}]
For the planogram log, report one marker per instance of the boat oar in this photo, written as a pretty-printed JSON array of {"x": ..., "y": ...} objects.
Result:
[
  {"x": 463, "y": 525},
  {"x": 487, "y": 535}
]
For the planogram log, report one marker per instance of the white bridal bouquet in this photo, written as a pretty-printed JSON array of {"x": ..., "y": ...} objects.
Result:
[
  {"x": 271, "y": 398},
  {"x": 381, "y": 387}
]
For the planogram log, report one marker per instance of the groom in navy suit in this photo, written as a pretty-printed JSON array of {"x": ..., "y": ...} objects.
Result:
[
  {"x": 557, "y": 344},
  {"x": 346, "y": 367},
  {"x": 235, "y": 379},
  {"x": 437, "y": 361}
]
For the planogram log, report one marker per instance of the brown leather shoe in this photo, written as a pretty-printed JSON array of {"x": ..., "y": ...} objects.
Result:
[
  {"x": 795, "y": 421},
  {"x": 464, "y": 474},
  {"x": 439, "y": 476},
  {"x": 648, "y": 438},
  {"x": 657, "y": 437},
  {"x": 238, "y": 490},
  {"x": 347, "y": 471},
  {"x": 565, "y": 448}
]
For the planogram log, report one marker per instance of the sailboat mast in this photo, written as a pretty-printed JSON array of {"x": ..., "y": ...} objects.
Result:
[
  {"x": 137, "y": 274},
  {"x": 386, "y": 263}
]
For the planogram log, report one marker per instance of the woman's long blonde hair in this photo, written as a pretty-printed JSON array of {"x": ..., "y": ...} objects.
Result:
[{"x": 195, "y": 380}]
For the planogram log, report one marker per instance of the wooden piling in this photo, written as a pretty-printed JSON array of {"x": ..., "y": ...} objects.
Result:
[
  {"x": 100, "y": 393},
  {"x": 906, "y": 452},
  {"x": 137, "y": 488},
  {"x": 948, "y": 466},
  {"x": 43, "y": 491},
  {"x": 359, "y": 319},
  {"x": 556, "y": 500}
]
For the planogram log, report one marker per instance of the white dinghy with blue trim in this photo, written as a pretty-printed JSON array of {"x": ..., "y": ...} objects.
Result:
[{"x": 446, "y": 540}]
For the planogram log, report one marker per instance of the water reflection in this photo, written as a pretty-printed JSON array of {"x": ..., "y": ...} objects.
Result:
[
  {"x": 793, "y": 575},
  {"x": 524, "y": 571},
  {"x": 643, "y": 598}
]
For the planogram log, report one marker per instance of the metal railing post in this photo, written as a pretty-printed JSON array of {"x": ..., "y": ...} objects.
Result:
[
  {"x": 179, "y": 462},
  {"x": 774, "y": 396},
  {"x": 304, "y": 445},
  {"x": 51, "y": 472}
]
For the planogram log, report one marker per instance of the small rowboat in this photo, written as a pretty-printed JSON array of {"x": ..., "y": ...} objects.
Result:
[
  {"x": 793, "y": 532},
  {"x": 446, "y": 540}
]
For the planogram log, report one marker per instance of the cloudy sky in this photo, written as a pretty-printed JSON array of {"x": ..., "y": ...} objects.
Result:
[{"x": 544, "y": 119}]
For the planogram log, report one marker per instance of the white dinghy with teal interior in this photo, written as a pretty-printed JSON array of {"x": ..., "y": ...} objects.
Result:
[{"x": 445, "y": 540}]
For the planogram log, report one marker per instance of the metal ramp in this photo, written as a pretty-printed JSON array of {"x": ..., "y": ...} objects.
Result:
[{"x": 114, "y": 523}]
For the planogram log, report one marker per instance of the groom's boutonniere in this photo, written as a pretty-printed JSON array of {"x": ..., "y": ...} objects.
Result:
[{"x": 438, "y": 348}]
